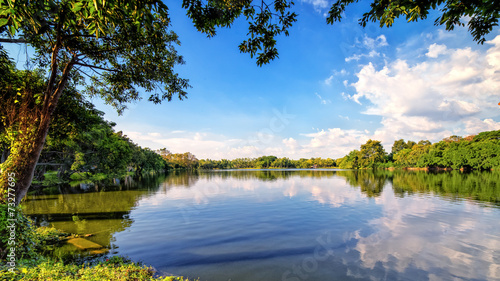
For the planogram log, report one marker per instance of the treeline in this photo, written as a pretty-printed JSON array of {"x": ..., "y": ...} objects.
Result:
[
  {"x": 266, "y": 162},
  {"x": 476, "y": 152}
]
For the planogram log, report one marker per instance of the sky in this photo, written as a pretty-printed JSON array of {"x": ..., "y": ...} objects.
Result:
[{"x": 333, "y": 88}]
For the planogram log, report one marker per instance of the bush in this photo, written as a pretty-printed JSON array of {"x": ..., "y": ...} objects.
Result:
[
  {"x": 17, "y": 233},
  {"x": 114, "y": 268}
]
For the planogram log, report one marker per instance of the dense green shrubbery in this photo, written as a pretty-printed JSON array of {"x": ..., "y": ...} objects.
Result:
[
  {"x": 16, "y": 232},
  {"x": 114, "y": 268}
]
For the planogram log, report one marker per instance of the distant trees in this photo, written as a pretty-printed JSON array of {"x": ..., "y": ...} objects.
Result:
[
  {"x": 185, "y": 160},
  {"x": 480, "y": 152},
  {"x": 265, "y": 162}
]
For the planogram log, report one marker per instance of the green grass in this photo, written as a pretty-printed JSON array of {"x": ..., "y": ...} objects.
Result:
[{"x": 114, "y": 268}]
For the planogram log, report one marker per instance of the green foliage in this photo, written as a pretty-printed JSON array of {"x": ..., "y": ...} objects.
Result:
[
  {"x": 16, "y": 232},
  {"x": 481, "y": 152},
  {"x": 267, "y": 162},
  {"x": 31, "y": 264},
  {"x": 350, "y": 161},
  {"x": 371, "y": 153},
  {"x": 114, "y": 268},
  {"x": 122, "y": 46},
  {"x": 265, "y": 22},
  {"x": 119, "y": 47},
  {"x": 481, "y": 16}
]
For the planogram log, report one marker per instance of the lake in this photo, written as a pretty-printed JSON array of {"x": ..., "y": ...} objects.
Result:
[{"x": 293, "y": 224}]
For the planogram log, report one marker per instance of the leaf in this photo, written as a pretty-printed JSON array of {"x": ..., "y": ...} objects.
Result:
[
  {"x": 3, "y": 21},
  {"x": 12, "y": 30},
  {"x": 77, "y": 7}
]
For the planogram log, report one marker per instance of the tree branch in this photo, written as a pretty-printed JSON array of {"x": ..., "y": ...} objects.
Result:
[
  {"x": 94, "y": 66},
  {"x": 13, "y": 40}
]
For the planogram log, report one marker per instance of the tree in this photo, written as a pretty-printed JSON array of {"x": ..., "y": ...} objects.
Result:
[
  {"x": 398, "y": 146},
  {"x": 424, "y": 142},
  {"x": 371, "y": 152},
  {"x": 350, "y": 161},
  {"x": 117, "y": 46}
]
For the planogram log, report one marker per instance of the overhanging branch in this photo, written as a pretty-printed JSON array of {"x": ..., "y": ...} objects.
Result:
[
  {"x": 94, "y": 66},
  {"x": 5, "y": 40}
]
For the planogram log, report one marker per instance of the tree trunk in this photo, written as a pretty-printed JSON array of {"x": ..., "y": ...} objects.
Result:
[
  {"x": 20, "y": 165},
  {"x": 33, "y": 127}
]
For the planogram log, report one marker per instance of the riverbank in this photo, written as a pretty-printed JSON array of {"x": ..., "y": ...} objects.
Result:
[{"x": 28, "y": 258}]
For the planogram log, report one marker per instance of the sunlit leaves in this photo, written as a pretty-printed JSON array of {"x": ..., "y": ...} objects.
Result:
[{"x": 121, "y": 46}]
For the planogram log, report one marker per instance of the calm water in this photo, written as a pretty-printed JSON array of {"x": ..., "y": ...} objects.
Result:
[{"x": 295, "y": 225}]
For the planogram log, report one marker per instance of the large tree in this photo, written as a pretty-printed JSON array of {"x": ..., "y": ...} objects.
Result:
[
  {"x": 113, "y": 48},
  {"x": 118, "y": 46}
]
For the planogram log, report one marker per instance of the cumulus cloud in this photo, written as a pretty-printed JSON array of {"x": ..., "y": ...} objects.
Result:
[
  {"x": 454, "y": 91},
  {"x": 435, "y": 50},
  {"x": 448, "y": 91}
]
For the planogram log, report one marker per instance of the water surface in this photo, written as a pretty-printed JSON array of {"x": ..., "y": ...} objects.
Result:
[{"x": 296, "y": 225}]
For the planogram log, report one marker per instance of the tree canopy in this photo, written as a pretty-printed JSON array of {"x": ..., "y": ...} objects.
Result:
[{"x": 110, "y": 48}]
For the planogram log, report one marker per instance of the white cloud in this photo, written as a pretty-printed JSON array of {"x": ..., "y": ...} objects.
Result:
[
  {"x": 291, "y": 144},
  {"x": 373, "y": 43},
  {"x": 323, "y": 101},
  {"x": 319, "y": 5},
  {"x": 449, "y": 91},
  {"x": 368, "y": 47},
  {"x": 455, "y": 91},
  {"x": 435, "y": 50},
  {"x": 328, "y": 81},
  {"x": 371, "y": 54},
  {"x": 335, "y": 142}
]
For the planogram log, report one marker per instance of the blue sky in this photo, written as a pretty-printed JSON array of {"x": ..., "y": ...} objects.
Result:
[{"x": 332, "y": 89}]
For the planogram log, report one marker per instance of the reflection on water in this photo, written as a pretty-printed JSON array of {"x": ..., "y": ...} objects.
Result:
[{"x": 295, "y": 225}]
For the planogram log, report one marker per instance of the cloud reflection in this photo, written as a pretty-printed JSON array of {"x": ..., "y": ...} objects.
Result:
[{"x": 417, "y": 233}]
